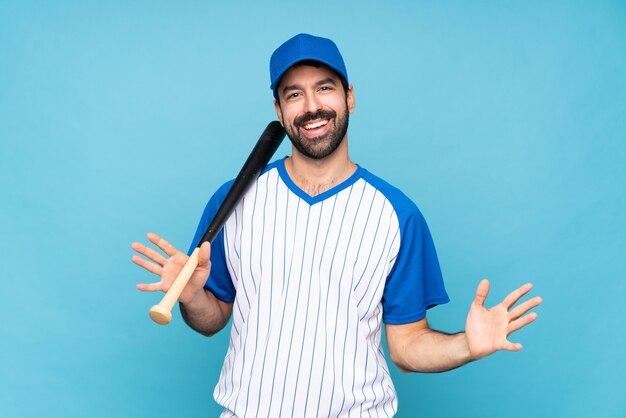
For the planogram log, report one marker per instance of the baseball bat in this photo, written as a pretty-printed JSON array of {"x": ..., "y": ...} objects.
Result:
[{"x": 265, "y": 147}]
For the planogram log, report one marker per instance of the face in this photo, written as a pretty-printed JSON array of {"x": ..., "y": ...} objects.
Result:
[{"x": 313, "y": 107}]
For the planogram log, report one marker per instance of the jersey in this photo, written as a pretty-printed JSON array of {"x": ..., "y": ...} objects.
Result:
[{"x": 312, "y": 280}]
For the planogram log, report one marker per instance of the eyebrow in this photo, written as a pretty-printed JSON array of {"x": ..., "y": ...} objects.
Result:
[{"x": 326, "y": 80}]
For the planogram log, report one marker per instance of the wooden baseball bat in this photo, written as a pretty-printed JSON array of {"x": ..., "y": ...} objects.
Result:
[{"x": 265, "y": 147}]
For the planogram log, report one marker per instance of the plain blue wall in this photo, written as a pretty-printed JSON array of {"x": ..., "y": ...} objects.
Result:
[{"x": 503, "y": 120}]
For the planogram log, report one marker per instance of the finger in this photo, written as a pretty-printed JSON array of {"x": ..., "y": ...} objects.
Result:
[
  {"x": 521, "y": 322},
  {"x": 509, "y": 346},
  {"x": 524, "y": 307},
  {"x": 515, "y": 295},
  {"x": 148, "y": 252},
  {"x": 150, "y": 287},
  {"x": 167, "y": 248},
  {"x": 481, "y": 292},
  {"x": 151, "y": 267}
]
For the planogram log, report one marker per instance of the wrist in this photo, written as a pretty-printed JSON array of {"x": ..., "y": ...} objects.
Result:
[
  {"x": 196, "y": 301},
  {"x": 467, "y": 351}
]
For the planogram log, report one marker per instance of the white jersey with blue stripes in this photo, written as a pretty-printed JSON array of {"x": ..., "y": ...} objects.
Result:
[{"x": 312, "y": 279}]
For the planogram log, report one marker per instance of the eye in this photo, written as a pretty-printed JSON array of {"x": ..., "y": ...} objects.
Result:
[
  {"x": 292, "y": 96},
  {"x": 326, "y": 88}
]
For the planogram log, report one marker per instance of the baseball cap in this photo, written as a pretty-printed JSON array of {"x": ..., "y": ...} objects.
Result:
[{"x": 305, "y": 47}]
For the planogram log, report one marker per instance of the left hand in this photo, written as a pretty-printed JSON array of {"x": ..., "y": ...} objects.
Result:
[{"x": 487, "y": 330}]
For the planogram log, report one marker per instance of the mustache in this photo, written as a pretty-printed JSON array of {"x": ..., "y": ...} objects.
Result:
[{"x": 320, "y": 114}]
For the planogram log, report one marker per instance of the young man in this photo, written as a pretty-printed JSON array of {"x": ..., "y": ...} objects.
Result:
[{"x": 318, "y": 254}]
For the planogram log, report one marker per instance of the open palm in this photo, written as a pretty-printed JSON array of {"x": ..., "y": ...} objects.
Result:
[{"x": 487, "y": 330}]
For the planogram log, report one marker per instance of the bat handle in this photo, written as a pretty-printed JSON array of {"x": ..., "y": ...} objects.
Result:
[{"x": 162, "y": 313}]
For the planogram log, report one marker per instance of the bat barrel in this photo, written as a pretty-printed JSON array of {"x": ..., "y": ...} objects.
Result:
[{"x": 265, "y": 147}]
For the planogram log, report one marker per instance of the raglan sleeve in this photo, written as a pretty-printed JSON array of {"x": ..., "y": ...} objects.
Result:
[
  {"x": 219, "y": 281},
  {"x": 415, "y": 282}
]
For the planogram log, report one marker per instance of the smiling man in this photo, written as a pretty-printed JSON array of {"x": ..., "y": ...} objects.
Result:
[{"x": 317, "y": 256}]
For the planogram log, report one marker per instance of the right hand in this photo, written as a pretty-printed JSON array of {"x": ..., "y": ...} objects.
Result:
[{"x": 168, "y": 268}]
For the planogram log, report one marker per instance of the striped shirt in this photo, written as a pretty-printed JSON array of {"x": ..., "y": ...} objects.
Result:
[{"x": 312, "y": 280}]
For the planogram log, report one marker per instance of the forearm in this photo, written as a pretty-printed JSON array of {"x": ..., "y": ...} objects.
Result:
[
  {"x": 205, "y": 313},
  {"x": 430, "y": 351}
]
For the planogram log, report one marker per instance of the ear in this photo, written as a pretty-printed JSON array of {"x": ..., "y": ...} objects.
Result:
[
  {"x": 279, "y": 112},
  {"x": 350, "y": 98}
]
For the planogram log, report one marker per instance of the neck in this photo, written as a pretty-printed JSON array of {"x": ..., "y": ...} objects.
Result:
[{"x": 317, "y": 176}]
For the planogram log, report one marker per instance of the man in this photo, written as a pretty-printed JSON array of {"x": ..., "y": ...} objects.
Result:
[{"x": 315, "y": 258}]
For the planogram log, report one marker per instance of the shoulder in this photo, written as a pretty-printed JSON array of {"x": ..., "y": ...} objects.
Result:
[{"x": 402, "y": 205}]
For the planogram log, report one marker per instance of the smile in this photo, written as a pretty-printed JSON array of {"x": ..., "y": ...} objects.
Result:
[{"x": 315, "y": 125}]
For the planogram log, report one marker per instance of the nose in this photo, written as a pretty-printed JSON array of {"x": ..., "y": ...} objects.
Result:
[{"x": 312, "y": 103}]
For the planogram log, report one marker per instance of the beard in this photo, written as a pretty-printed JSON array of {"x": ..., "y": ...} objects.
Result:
[{"x": 322, "y": 146}]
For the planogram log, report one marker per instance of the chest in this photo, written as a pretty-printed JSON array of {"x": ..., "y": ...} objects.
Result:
[{"x": 277, "y": 243}]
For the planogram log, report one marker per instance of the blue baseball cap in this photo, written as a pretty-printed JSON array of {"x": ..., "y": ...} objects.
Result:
[{"x": 304, "y": 47}]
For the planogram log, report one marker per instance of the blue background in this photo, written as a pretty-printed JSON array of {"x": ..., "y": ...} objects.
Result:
[{"x": 503, "y": 120}]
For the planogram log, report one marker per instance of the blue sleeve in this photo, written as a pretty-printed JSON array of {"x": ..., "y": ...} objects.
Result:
[
  {"x": 219, "y": 281},
  {"x": 415, "y": 283}
]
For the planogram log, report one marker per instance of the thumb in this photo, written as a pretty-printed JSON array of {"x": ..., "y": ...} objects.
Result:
[
  {"x": 204, "y": 257},
  {"x": 481, "y": 293}
]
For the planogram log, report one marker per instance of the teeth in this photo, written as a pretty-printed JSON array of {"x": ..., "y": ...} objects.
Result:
[{"x": 315, "y": 125}]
